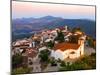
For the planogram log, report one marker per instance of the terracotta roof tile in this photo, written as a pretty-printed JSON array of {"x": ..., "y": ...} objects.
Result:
[
  {"x": 64, "y": 46},
  {"x": 31, "y": 52}
]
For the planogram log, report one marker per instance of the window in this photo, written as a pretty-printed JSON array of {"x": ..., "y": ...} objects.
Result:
[
  {"x": 29, "y": 59},
  {"x": 72, "y": 52},
  {"x": 30, "y": 63}
]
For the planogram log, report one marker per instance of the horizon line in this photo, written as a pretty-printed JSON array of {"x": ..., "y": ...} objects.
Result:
[{"x": 52, "y": 16}]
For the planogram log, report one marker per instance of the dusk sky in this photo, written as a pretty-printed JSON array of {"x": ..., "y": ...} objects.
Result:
[{"x": 35, "y": 10}]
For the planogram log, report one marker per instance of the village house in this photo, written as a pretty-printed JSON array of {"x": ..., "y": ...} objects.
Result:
[
  {"x": 19, "y": 45},
  {"x": 68, "y": 50}
]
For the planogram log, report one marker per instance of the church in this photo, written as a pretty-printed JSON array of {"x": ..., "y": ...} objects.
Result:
[{"x": 68, "y": 50}]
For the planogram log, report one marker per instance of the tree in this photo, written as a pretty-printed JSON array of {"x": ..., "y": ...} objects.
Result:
[
  {"x": 53, "y": 62},
  {"x": 60, "y": 37},
  {"x": 16, "y": 60},
  {"x": 21, "y": 70},
  {"x": 90, "y": 42},
  {"x": 63, "y": 64},
  {"x": 50, "y": 44},
  {"x": 44, "y": 55}
]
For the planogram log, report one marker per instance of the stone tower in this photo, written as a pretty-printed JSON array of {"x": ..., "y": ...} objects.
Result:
[{"x": 81, "y": 43}]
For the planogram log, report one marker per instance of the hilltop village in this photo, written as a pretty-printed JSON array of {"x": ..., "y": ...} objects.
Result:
[{"x": 44, "y": 51}]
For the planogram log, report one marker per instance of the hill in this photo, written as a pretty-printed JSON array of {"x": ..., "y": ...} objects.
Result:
[{"x": 26, "y": 26}]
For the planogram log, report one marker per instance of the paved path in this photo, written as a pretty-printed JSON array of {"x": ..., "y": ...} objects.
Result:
[{"x": 50, "y": 68}]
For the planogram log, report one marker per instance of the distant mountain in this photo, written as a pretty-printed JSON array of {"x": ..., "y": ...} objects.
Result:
[
  {"x": 26, "y": 26},
  {"x": 50, "y": 18}
]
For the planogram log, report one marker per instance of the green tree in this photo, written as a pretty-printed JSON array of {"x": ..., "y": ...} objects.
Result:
[
  {"x": 60, "y": 37},
  {"x": 21, "y": 70},
  {"x": 50, "y": 44},
  {"x": 90, "y": 42},
  {"x": 53, "y": 62},
  {"x": 44, "y": 55},
  {"x": 17, "y": 60},
  {"x": 63, "y": 64}
]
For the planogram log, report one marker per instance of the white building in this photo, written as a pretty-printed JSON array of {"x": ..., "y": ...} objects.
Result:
[
  {"x": 68, "y": 50},
  {"x": 32, "y": 44}
]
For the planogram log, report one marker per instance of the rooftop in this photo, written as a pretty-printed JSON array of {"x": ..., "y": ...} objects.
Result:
[
  {"x": 31, "y": 52},
  {"x": 65, "y": 46}
]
